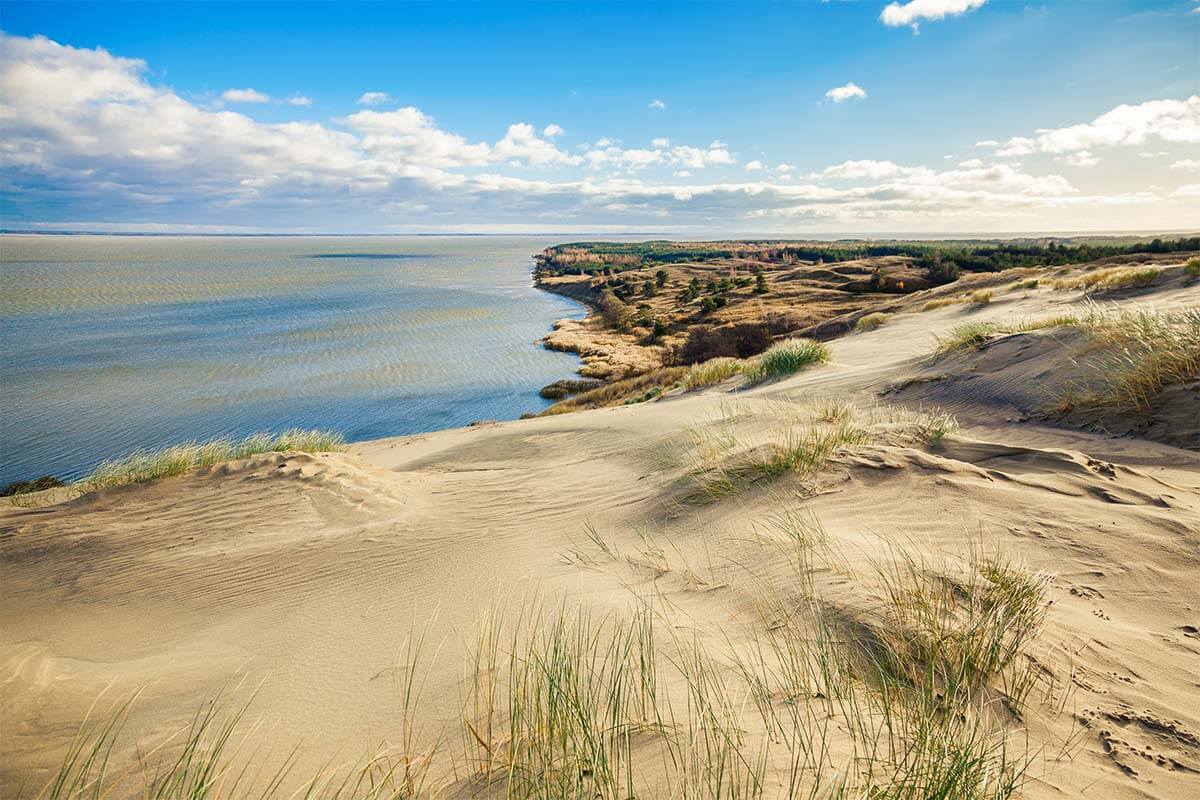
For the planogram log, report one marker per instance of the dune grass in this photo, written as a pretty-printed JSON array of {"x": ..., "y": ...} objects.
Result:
[
  {"x": 1110, "y": 279},
  {"x": 815, "y": 699},
  {"x": 785, "y": 358},
  {"x": 638, "y": 388},
  {"x": 1140, "y": 351},
  {"x": 871, "y": 321},
  {"x": 1024, "y": 286},
  {"x": 1191, "y": 267},
  {"x": 148, "y": 465},
  {"x": 722, "y": 457},
  {"x": 980, "y": 297},
  {"x": 940, "y": 302},
  {"x": 712, "y": 372}
]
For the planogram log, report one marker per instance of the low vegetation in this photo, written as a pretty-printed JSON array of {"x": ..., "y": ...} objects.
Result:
[
  {"x": 638, "y": 388},
  {"x": 871, "y": 321},
  {"x": 742, "y": 448},
  {"x": 980, "y": 297},
  {"x": 820, "y": 698},
  {"x": 712, "y": 372},
  {"x": 1135, "y": 352},
  {"x": 142, "y": 466},
  {"x": 786, "y": 358},
  {"x": 1108, "y": 280},
  {"x": 41, "y": 484}
]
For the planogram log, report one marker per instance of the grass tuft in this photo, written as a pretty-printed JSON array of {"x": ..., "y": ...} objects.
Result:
[
  {"x": 142, "y": 466},
  {"x": 785, "y": 358},
  {"x": 711, "y": 372},
  {"x": 871, "y": 321},
  {"x": 980, "y": 297}
]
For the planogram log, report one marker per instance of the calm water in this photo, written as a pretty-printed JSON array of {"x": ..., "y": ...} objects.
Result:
[{"x": 108, "y": 344}]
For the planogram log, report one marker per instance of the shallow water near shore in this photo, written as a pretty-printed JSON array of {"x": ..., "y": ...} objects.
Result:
[{"x": 112, "y": 343}]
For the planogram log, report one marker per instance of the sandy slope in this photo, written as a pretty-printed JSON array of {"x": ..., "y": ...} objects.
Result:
[{"x": 308, "y": 573}]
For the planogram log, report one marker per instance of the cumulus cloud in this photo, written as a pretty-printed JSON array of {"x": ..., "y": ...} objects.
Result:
[
  {"x": 552, "y": 130},
  {"x": 373, "y": 98},
  {"x": 1083, "y": 158},
  {"x": 1186, "y": 163},
  {"x": 88, "y": 136},
  {"x": 754, "y": 166},
  {"x": 915, "y": 11},
  {"x": 244, "y": 96},
  {"x": 1188, "y": 190},
  {"x": 661, "y": 141},
  {"x": 658, "y": 104},
  {"x": 1175, "y": 121},
  {"x": 848, "y": 91},
  {"x": 255, "y": 96},
  {"x": 987, "y": 143}
]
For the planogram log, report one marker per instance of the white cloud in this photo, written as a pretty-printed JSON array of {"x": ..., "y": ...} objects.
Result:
[
  {"x": 1186, "y": 163},
  {"x": 89, "y": 137},
  {"x": 373, "y": 98},
  {"x": 552, "y": 130},
  {"x": 840, "y": 94},
  {"x": 753, "y": 166},
  {"x": 661, "y": 141},
  {"x": 863, "y": 169},
  {"x": 297, "y": 100},
  {"x": 522, "y": 142},
  {"x": 244, "y": 96},
  {"x": 656, "y": 103},
  {"x": 1175, "y": 121},
  {"x": 1083, "y": 158},
  {"x": 987, "y": 143},
  {"x": 1188, "y": 190},
  {"x": 915, "y": 11}
]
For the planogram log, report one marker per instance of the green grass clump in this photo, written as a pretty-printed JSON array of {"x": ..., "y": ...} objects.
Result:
[
  {"x": 784, "y": 358},
  {"x": 711, "y": 372},
  {"x": 142, "y": 466},
  {"x": 1021, "y": 286},
  {"x": 870, "y": 321},
  {"x": 1192, "y": 266},
  {"x": 966, "y": 337}
]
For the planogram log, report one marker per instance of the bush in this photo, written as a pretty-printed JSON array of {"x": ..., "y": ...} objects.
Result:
[
  {"x": 1192, "y": 266},
  {"x": 786, "y": 357},
  {"x": 749, "y": 339}
]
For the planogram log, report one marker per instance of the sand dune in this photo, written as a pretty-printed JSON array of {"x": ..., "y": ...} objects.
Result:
[{"x": 304, "y": 575}]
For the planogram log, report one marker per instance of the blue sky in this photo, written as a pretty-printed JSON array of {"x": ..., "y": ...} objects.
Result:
[{"x": 713, "y": 119}]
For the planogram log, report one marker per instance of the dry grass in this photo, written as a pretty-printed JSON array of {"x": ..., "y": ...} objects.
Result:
[
  {"x": 712, "y": 372},
  {"x": 1111, "y": 279},
  {"x": 724, "y": 456},
  {"x": 639, "y": 388},
  {"x": 980, "y": 297},
  {"x": 940, "y": 302},
  {"x": 142, "y": 466},
  {"x": 871, "y": 321},
  {"x": 1191, "y": 267}
]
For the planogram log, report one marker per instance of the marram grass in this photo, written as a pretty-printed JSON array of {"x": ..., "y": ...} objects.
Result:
[
  {"x": 148, "y": 465},
  {"x": 784, "y": 358}
]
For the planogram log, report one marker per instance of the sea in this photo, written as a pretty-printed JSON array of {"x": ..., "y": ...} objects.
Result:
[{"x": 112, "y": 344}]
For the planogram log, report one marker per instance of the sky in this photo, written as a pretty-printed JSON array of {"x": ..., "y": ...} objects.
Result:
[{"x": 685, "y": 119}]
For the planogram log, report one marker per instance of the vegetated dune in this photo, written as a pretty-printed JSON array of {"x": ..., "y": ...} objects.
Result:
[{"x": 811, "y": 585}]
